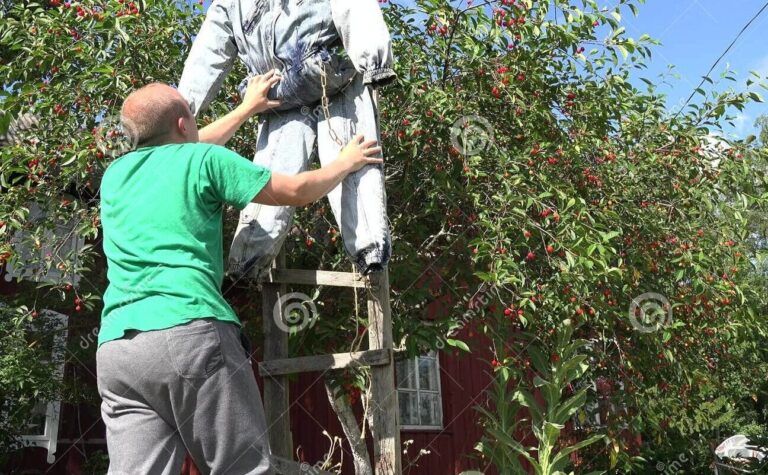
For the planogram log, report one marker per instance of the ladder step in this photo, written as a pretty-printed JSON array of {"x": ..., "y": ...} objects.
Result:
[
  {"x": 289, "y": 467},
  {"x": 316, "y": 277},
  {"x": 306, "y": 364}
]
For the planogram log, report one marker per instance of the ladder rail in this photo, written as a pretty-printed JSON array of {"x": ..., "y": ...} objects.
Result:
[{"x": 384, "y": 409}]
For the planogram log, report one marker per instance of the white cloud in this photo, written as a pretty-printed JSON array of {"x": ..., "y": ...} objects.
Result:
[{"x": 743, "y": 123}]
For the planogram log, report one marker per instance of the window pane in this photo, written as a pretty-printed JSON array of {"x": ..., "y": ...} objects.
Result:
[
  {"x": 429, "y": 405},
  {"x": 409, "y": 410},
  {"x": 36, "y": 425},
  {"x": 428, "y": 374},
  {"x": 406, "y": 373}
]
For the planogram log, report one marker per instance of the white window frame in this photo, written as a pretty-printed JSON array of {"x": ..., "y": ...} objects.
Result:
[
  {"x": 49, "y": 439},
  {"x": 433, "y": 355},
  {"x": 592, "y": 410},
  {"x": 36, "y": 272}
]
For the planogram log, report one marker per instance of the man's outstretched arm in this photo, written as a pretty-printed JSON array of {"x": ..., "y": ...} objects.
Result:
[{"x": 254, "y": 102}]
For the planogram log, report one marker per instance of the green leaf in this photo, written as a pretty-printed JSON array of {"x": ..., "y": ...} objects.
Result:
[{"x": 457, "y": 344}]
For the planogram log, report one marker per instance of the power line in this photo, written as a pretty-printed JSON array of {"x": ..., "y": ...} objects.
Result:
[{"x": 706, "y": 76}]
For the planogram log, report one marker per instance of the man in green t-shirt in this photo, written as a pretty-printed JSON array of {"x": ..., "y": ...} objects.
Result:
[{"x": 172, "y": 372}]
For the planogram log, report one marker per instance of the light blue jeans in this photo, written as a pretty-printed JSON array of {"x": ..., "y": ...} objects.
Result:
[
  {"x": 286, "y": 141},
  {"x": 350, "y": 42},
  {"x": 300, "y": 38}
]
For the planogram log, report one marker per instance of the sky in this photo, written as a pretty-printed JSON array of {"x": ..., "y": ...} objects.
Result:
[{"x": 694, "y": 33}]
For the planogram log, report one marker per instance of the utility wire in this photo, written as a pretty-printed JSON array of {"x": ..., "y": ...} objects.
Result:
[{"x": 749, "y": 23}]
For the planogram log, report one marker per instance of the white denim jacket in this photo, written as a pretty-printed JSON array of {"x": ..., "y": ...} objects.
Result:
[{"x": 300, "y": 38}]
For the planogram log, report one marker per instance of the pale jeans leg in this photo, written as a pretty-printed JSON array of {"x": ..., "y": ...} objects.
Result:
[
  {"x": 285, "y": 145},
  {"x": 286, "y": 141},
  {"x": 359, "y": 202}
]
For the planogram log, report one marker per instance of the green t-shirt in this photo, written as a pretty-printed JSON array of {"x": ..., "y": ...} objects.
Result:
[{"x": 161, "y": 213}]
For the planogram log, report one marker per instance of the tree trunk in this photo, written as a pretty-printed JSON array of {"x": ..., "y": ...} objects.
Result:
[{"x": 343, "y": 410}]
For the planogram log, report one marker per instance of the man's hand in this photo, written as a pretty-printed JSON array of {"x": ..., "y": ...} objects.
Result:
[
  {"x": 255, "y": 100},
  {"x": 306, "y": 187},
  {"x": 359, "y": 153}
]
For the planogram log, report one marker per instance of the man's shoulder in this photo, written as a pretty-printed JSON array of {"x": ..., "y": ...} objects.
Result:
[
  {"x": 194, "y": 147},
  {"x": 186, "y": 151},
  {"x": 206, "y": 149},
  {"x": 214, "y": 151}
]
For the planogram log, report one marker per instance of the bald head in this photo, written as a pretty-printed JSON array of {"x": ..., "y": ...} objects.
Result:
[{"x": 157, "y": 114}]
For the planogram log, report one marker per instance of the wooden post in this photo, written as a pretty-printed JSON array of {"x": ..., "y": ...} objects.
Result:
[
  {"x": 276, "y": 397},
  {"x": 384, "y": 409}
]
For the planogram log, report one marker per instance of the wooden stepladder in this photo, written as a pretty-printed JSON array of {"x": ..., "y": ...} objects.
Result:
[{"x": 384, "y": 410}]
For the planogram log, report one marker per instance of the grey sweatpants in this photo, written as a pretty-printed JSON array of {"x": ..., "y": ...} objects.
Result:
[{"x": 186, "y": 388}]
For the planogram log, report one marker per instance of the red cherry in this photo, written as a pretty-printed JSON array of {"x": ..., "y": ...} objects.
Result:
[
  {"x": 530, "y": 256},
  {"x": 550, "y": 249}
]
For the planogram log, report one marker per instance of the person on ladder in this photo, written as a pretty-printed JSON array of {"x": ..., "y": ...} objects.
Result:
[{"x": 172, "y": 368}]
